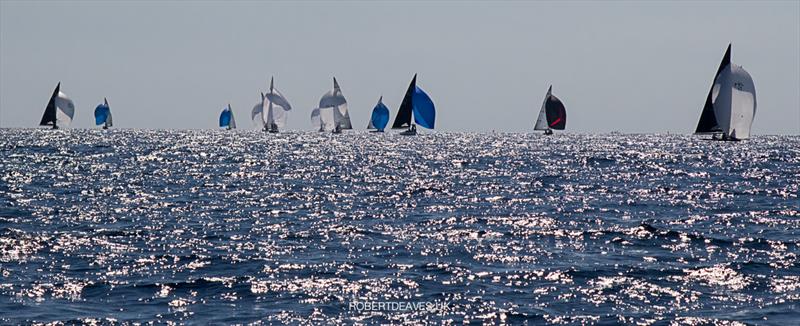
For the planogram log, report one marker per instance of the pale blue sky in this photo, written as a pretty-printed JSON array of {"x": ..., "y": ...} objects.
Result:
[{"x": 626, "y": 66}]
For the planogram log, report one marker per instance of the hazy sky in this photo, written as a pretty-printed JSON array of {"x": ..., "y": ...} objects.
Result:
[{"x": 626, "y": 66}]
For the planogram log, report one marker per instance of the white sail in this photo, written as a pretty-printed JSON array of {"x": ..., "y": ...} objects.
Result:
[
  {"x": 109, "y": 120},
  {"x": 541, "y": 122},
  {"x": 233, "y": 120},
  {"x": 277, "y": 108},
  {"x": 734, "y": 101},
  {"x": 316, "y": 122},
  {"x": 335, "y": 99},
  {"x": 65, "y": 109},
  {"x": 257, "y": 115}
]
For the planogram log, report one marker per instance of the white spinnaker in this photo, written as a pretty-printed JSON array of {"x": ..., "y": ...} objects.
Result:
[
  {"x": 258, "y": 114},
  {"x": 65, "y": 109},
  {"x": 327, "y": 118},
  {"x": 734, "y": 100},
  {"x": 277, "y": 108},
  {"x": 315, "y": 120}
]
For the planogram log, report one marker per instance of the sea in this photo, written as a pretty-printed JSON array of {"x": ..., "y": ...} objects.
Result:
[{"x": 220, "y": 227}]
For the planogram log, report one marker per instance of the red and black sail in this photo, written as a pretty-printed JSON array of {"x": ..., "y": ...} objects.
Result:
[{"x": 556, "y": 113}]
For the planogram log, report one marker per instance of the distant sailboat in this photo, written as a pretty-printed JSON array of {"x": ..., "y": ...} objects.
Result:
[
  {"x": 102, "y": 115},
  {"x": 226, "y": 119},
  {"x": 731, "y": 103},
  {"x": 420, "y": 104},
  {"x": 59, "y": 111},
  {"x": 380, "y": 116},
  {"x": 553, "y": 115},
  {"x": 271, "y": 114},
  {"x": 332, "y": 113}
]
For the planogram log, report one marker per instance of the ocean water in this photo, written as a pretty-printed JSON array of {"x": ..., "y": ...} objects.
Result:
[{"x": 215, "y": 227}]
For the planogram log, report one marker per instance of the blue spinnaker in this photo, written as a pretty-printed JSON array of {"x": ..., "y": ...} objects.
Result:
[
  {"x": 225, "y": 118},
  {"x": 101, "y": 113},
  {"x": 380, "y": 116},
  {"x": 424, "y": 111}
]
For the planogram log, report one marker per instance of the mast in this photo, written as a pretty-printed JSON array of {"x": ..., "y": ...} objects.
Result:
[{"x": 403, "y": 118}]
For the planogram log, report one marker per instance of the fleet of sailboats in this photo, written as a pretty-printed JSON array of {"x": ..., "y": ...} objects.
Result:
[
  {"x": 102, "y": 115},
  {"x": 728, "y": 112},
  {"x": 731, "y": 103},
  {"x": 553, "y": 115}
]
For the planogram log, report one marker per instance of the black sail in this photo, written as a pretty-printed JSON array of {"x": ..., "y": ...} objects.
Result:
[
  {"x": 49, "y": 117},
  {"x": 708, "y": 120},
  {"x": 403, "y": 119},
  {"x": 556, "y": 113}
]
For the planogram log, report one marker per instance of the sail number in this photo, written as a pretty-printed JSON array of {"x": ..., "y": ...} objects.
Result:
[{"x": 739, "y": 86}]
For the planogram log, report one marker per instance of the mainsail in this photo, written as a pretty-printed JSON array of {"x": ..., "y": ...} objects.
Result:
[
  {"x": 732, "y": 102},
  {"x": 415, "y": 101},
  {"x": 59, "y": 111},
  {"x": 380, "y": 116},
  {"x": 102, "y": 115},
  {"x": 226, "y": 118},
  {"x": 553, "y": 114},
  {"x": 708, "y": 121}
]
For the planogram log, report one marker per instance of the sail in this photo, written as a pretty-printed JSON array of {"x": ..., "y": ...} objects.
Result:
[
  {"x": 541, "y": 121},
  {"x": 276, "y": 106},
  {"x": 556, "y": 113},
  {"x": 335, "y": 99},
  {"x": 403, "y": 118},
  {"x": 226, "y": 118},
  {"x": 424, "y": 110},
  {"x": 316, "y": 122},
  {"x": 257, "y": 115},
  {"x": 380, "y": 116},
  {"x": 65, "y": 109},
  {"x": 734, "y": 101},
  {"x": 708, "y": 120},
  {"x": 327, "y": 119},
  {"x": 49, "y": 116},
  {"x": 102, "y": 114}
]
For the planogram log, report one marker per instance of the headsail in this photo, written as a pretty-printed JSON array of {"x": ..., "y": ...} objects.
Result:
[
  {"x": 708, "y": 120},
  {"x": 734, "y": 102},
  {"x": 380, "y": 116},
  {"x": 102, "y": 114},
  {"x": 226, "y": 118},
  {"x": 59, "y": 111}
]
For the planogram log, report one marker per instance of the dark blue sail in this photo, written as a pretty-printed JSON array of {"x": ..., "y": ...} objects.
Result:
[
  {"x": 424, "y": 111},
  {"x": 380, "y": 116},
  {"x": 225, "y": 118},
  {"x": 101, "y": 114}
]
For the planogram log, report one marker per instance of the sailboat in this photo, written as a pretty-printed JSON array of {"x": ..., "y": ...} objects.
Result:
[
  {"x": 731, "y": 103},
  {"x": 420, "y": 104},
  {"x": 102, "y": 115},
  {"x": 332, "y": 113},
  {"x": 553, "y": 115},
  {"x": 59, "y": 111},
  {"x": 226, "y": 118},
  {"x": 273, "y": 111},
  {"x": 380, "y": 117}
]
